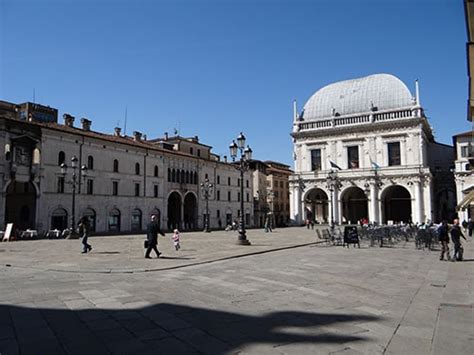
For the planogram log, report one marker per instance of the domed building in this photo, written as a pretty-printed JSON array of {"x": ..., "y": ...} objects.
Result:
[{"x": 363, "y": 149}]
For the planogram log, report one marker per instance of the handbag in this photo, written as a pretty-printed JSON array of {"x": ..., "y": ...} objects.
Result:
[{"x": 146, "y": 243}]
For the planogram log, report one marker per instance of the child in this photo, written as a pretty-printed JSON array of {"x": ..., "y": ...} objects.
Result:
[{"x": 176, "y": 237}]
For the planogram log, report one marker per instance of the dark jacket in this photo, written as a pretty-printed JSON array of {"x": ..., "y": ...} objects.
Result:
[
  {"x": 153, "y": 229},
  {"x": 456, "y": 234},
  {"x": 443, "y": 233}
]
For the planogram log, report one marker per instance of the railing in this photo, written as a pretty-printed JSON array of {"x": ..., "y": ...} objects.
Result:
[
  {"x": 385, "y": 116},
  {"x": 355, "y": 120}
]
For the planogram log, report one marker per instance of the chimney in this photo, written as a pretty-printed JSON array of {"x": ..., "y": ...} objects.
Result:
[
  {"x": 144, "y": 137},
  {"x": 166, "y": 136},
  {"x": 225, "y": 158},
  {"x": 68, "y": 120},
  {"x": 137, "y": 136},
  {"x": 117, "y": 131},
  {"x": 86, "y": 124}
]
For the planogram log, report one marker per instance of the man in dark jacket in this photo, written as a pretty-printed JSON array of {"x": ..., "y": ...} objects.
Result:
[
  {"x": 444, "y": 239},
  {"x": 456, "y": 235},
  {"x": 153, "y": 229}
]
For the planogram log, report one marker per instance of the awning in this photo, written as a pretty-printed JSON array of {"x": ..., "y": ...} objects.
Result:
[{"x": 466, "y": 201}]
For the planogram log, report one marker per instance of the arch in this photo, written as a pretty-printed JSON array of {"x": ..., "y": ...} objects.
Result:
[
  {"x": 396, "y": 204},
  {"x": 113, "y": 221},
  {"x": 174, "y": 210},
  {"x": 190, "y": 210},
  {"x": 137, "y": 168},
  {"x": 59, "y": 218},
  {"x": 20, "y": 204},
  {"x": 354, "y": 204},
  {"x": 90, "y": 162},
  {"x": 61, "y": 157},
  {"x": 316, "y": 205},
  {"x": 136, "y": 223},
  {"x": 116, "y": 166},
  {"x": 155, "y": 171},
  {"x": 90, "y": 214}
]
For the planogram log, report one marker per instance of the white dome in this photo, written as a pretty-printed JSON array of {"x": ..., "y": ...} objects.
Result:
[{"x": 383, "y": 91}]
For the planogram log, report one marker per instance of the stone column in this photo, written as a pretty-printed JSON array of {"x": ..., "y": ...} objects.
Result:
[
  {"x": 426, "y": 194},
  {"x": 373, "y": 204},
  {"x": 418, "y": 212}
]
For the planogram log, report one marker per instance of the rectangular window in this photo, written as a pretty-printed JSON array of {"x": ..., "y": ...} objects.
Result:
[
  {"x": 394, "y": 153},
  {"x": 466, "y": 151},
  {"x": 218, "y": 197},
  {"x": 238, "y": 196},
  {"x": 228, "y": 181},
  {"x": 115, "y": 188},
  {"x": 155, "y": 190},
  {"x": 60, "y": 185},
  {"x": 316, "y": 159},
  {"x": 228, "y": 196},
  {"x": 353, "y": 157},
  {"x": 90, "y": 186},
  {"x": 137, "y": 189},
  {"x": 199, "y": 152},
  {"x": 281, "y": 184},
  {"x": 191, "y": 151},
  {"x": 247, "y": 183},
  {"x": 218, "y": 179},
  {"x": 248, "y": 197}
]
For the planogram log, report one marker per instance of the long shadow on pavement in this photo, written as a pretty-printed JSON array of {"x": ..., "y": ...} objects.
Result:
[{"x": 162, "y": 328}]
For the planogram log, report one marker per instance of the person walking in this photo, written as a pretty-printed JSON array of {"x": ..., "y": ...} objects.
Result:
[
  {"x": 268, "y": 225},
  {"x": 444, "y": 239},
  {"x": 456, "y": 235},
  {"x": 84, "y": 230},
  {"x": 153, "y": 229},
  {"x": 176, "y": 239}
]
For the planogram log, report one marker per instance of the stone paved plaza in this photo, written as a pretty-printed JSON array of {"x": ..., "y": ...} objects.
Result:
[{"x": 284, "y": 294}]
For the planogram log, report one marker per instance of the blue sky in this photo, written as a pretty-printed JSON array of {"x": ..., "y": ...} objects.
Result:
[{"x": 213, "y": 68}]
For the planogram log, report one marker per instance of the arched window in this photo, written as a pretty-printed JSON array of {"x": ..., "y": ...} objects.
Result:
[
  {"x": 137, "y": 169},
  {"x": 61, "y": 157},
  {"x": 182, "y": 176},
  {"x": 169, "y": 174},
  {"x": 155, "y": 172},
  {"x": 195, "y": 178},
  {"x": 116, "y": 166},
  {"x": 187, "y": 177},
  {"x": 173, "y": 175},
  {"x": 178, "y": 175},
  {"x": 136, "y": 220},
  {"x": 90, "y": 162},
  {"x": 114, "y": 220}
]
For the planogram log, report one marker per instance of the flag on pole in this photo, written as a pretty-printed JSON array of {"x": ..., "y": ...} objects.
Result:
[
  {"x": 334, "y": 165},
  {"x": 374, "y": 164}
]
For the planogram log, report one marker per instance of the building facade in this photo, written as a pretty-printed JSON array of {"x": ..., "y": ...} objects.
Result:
[
  {"x": 121, "y": 180},
  {"x": 463, "y": 143},
  {"x": 363, "y": 149}
]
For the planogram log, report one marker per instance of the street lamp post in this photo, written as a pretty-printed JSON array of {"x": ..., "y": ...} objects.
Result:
[
  {"x": 333, "y": 184},
  {"x": 206, "y": 188},
  {"x": 243, "y": 166},
  {"x": 73, "y": 182}
]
